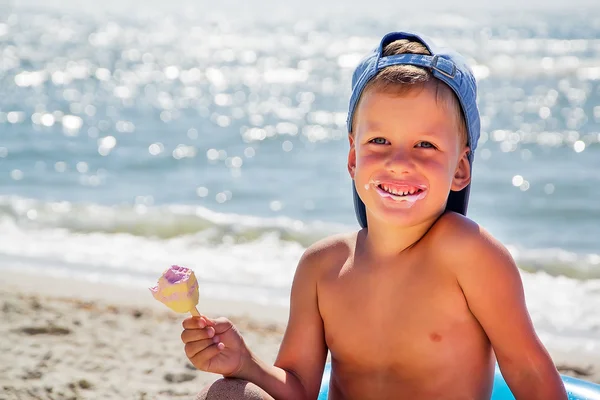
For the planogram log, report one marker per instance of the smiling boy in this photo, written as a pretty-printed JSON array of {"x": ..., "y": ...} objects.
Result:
[{"x": 421, "y": 302}]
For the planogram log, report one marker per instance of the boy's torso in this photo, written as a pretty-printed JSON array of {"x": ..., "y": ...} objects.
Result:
[{"x": 401, "y": 328}]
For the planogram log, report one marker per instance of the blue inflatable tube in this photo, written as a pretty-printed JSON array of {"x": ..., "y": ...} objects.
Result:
[{"x": 577, "y": 389}]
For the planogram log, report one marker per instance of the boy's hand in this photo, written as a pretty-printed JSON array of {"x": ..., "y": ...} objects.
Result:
[{"x": 213, "y": 345}]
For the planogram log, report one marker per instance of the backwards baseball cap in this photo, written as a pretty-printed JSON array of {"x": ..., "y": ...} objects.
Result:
[{"x": 445, "y": 65}]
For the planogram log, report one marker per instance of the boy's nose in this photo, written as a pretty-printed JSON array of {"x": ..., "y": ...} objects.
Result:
[{"x": 400, "y": 163}]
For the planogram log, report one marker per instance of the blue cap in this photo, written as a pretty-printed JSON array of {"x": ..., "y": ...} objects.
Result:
[{"x": 447, "y": 66}]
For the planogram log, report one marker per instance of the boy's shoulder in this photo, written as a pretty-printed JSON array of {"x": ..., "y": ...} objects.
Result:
[
  {"x": 455, "y": 237},
  {"x": 452, "y": 225},
  {"x": 330, "y": 250},
  {"x": 333, "y": 244}
]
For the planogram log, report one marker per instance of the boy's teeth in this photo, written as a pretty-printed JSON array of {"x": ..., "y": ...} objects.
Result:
[{"x": 397, "y": 192}]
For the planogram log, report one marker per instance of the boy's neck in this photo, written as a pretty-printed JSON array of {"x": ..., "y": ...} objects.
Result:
[{"x": 388, "y": 240}]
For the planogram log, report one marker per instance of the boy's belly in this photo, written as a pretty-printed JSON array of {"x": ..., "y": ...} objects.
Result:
[
  {"x": 461, "y": 379},
  {"x": 458, "y": 366},
  {"x": 442, "y": 360}
]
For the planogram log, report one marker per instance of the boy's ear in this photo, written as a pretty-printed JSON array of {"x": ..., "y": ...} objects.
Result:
[
  {"x": 462, "y": 175},
  {"x": 351, "y": 156}
]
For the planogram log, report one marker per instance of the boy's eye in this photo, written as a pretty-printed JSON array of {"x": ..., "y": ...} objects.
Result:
[
  {"x": 426, "y": 145},
  {"x": 378, "y": 140}
]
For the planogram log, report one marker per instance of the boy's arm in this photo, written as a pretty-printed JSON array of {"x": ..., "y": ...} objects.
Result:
[
  {"x": 303, "y": 350},
  {"x": 298, "y": 370},
  {"x": 491, "y": 283}
]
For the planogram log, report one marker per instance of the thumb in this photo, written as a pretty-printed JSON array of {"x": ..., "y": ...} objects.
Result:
[{"x": 221, "y": 325}]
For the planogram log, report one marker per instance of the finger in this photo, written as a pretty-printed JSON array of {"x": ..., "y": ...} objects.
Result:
[
  {"x": 204, "y": 321},
  {"x": 217, "y": 340},
  {"x": 192, "y": 349},
  {"x": 191, "y": 323},
  {"x": 192, "y": 335},
  {"x": 196, "y": 322},
  {"x": 202, "y": 358}
]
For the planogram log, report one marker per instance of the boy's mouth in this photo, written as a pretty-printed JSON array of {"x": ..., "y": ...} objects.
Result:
[{"x": 400, "y": 191}]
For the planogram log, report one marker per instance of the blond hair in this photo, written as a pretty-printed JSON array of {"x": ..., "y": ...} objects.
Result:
[{"x": 402, "y": 79}]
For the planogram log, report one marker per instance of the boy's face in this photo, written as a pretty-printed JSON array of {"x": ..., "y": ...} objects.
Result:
[{"x": 405, "y": 155}]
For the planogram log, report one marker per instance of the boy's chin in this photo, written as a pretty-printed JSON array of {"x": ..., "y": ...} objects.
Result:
[{"x": 401, "y": 214}]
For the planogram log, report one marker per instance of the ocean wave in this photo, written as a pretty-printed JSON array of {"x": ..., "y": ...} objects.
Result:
[
  {"x": 558, "y": 262},
  {"x": 94, "y": 241},
  {"x": 199, "y": 231},
  {"x": 161, "y": 222}
]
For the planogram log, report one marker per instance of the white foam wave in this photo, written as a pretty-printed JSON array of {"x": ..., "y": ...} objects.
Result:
[
  {"x": 564, "y": 311},
  {"x": 160, "y": 222},
  {"x": 267, "y": 263},
  {"x": 93, "y": 232}
]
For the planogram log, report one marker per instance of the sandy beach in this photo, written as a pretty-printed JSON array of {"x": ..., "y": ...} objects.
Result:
[
  {"x": 65, "y": 339},
  {"x": 61, "y": 339}
]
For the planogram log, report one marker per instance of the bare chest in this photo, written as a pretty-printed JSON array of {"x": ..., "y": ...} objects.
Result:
[{"x": 405, "y": 314}]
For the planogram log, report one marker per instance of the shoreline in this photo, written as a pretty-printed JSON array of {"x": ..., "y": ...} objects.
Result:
[{"x": 67, "y": 339}]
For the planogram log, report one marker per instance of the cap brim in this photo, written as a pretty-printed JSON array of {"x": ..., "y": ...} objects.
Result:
[{"x": 457, "y": 202}]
